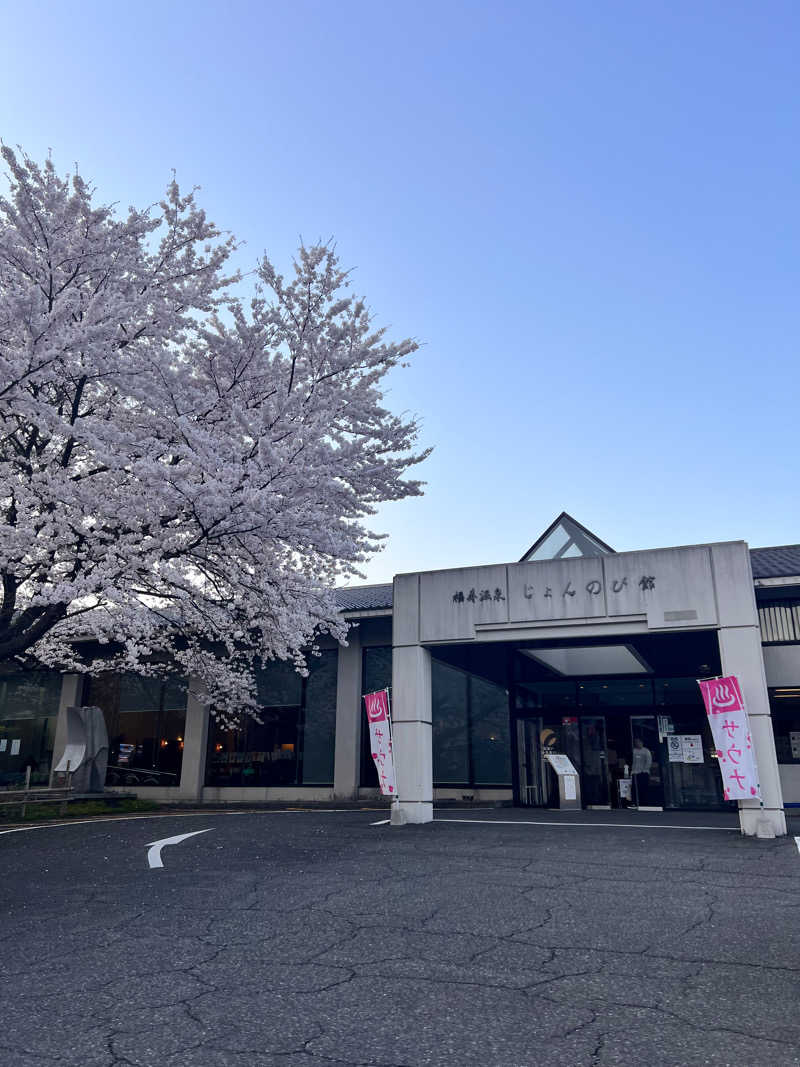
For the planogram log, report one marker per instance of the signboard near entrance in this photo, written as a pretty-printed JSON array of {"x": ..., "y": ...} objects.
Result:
[
  {"x": 567, "y": 779},
  {"x": 671, "y": 588},
  {"x": 730, "y": 728},
  {"x": 560, "y": 764},
  {"x": 380, "y": 739}
]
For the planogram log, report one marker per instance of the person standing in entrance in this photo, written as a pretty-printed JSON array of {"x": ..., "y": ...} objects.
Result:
[{"x": 640, "y": 770}]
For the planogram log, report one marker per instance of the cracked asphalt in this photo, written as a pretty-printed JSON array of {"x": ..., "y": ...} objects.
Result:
[{"x": 309, "y": 939}]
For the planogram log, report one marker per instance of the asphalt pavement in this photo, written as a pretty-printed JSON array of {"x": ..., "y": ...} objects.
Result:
[{"x": 312, "y": 939}]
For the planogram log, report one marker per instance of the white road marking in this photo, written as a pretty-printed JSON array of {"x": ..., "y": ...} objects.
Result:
[
  {"x": 185, "y": 815},
  {"x": 154, "y": 854},
  {"x": 381, "y": 822},
  {"x": 567, "y": 825},
  {"x": 797, "y": 842}
]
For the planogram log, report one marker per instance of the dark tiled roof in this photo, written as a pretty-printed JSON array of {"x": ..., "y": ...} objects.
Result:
[
  {"x": 783, "y": 561},
  {"x": 364, "y": 597}
]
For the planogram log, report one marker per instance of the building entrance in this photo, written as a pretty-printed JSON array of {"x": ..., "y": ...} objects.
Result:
[
  {"x": 637, "y": 740},
  {"x": 619, "y": 757}
]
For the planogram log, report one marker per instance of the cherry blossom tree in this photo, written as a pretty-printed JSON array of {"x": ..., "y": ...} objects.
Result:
[{"x": 183, "y": 475}]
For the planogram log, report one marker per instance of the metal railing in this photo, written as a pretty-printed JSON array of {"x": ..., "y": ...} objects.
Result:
[{"x": 38, "y": 794}]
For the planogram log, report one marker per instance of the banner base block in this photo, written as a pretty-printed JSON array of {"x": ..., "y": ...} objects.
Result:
[
  {"x": 411, "y": 811},
  {"x": 766, "y": 823},
  {"x": 398, "y": 816}
]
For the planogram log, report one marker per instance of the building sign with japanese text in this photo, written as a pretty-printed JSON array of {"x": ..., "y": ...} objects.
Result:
[
  {"x": 672, "y": 588},
  {"x": 730, "y": 728},
  {"x": 380, "y": 740}
]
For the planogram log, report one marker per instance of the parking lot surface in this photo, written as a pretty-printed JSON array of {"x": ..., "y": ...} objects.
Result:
[{"x": 303, "y": 939}]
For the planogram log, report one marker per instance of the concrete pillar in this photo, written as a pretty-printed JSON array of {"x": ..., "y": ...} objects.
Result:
[
  {"x": 347, "y": 748},
  {"x": 740, "y": 649},
  {"x": 195, "y": 749},
  {"x": 71, "y": 697},
  {"x": 411, "y": 733}
]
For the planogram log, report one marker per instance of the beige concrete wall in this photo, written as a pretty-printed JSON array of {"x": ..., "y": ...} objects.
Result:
[
  {"x": 478, "y": 795},
  {"x": 229, "y": 794},
  {"x": 266, "y": 794},
  {"x": 347, "y": 746}
]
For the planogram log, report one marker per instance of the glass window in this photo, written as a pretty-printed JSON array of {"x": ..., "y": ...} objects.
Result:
[
  {"x": 568, "y": 539},
  {"x": 28, "y": 714},
  {"x": 265, "y": 753},
  {"x": 319, "y": 726},
  {"x": 617, "y": 693},
  {"x": 544, "y": 695},
  {"x": 681, "y": 691},
  {"x": 257, "y": 753},
  {"x": 785, "y": 707},
  {"x": 491, "y": 748},
  {"x": 450, "y": 725},
  {"x": 145, "y": 719},
  {"x": 294, "y": 742},
  {"x": 26, "y": 696},
  {"x": 377, "y": 668},
  {"x": 552, "y": 546},
  {"x": 691, "y": 785},
  {"x": 279, "y": 684}
]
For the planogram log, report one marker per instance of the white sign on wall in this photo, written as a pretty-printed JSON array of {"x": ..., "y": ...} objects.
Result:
[
  {"x": 692, "y": 748},
  {"x": 673, "y": 588},
  {"x": 685, "y": 748},
  {"x": 675, "y": 748}
]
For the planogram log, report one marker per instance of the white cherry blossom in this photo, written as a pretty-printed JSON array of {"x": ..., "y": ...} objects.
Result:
[{"x": 183, "y": 477}]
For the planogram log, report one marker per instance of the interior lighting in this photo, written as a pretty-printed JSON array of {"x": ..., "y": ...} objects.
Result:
[{"x": 589, "y": 660}]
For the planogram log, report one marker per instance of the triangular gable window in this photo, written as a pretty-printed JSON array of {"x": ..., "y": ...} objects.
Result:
[{"x": 564, "y": 539}]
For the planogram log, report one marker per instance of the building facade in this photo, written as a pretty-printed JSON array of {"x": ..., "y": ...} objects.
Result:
[{"x": 574, "y": 649}]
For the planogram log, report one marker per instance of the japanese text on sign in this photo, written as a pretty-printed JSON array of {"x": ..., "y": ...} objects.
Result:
[
  {"x": 730, "y": 727},
  {"x": 380, "y": 739},
  {"x": 593, "y": 588}
]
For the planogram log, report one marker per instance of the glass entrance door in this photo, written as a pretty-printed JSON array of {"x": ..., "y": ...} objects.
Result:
[
  {"x": 594, "y": 780},
  {"x": 647, "y": 779},
  {"x": 531, "y": 784}
]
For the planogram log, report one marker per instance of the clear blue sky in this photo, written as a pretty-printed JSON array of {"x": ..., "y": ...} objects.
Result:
[{"x": 588, "y": 212}]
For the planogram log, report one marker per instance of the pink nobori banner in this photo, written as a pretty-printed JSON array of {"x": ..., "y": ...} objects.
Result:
[
  {"x": 730, "y": 728},
  {"x": 380, "y": 739}
]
